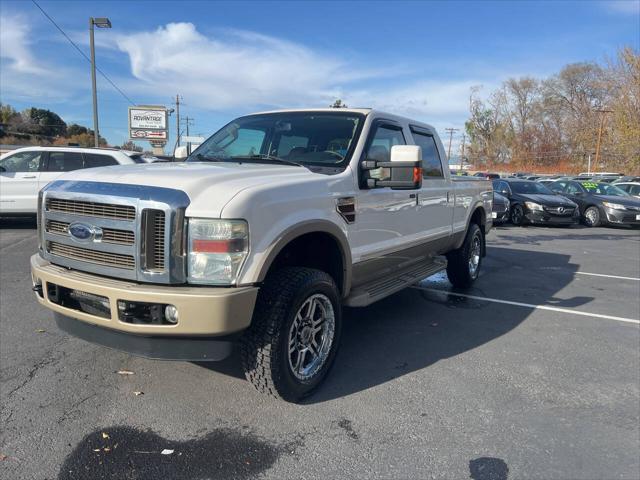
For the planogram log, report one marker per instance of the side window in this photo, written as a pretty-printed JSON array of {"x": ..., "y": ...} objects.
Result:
[
  {"x": 64, "y": 161},
  {"x": 92, "y": 160},
  {"x": 431, "y": 164},
  {"x": 21, "y": 162},
  {"x": 559, "y": 186},
  {"x": 380, "y": 149},
  {"x": 572, "y": 189},
  {"x": 634, "y": 189}
]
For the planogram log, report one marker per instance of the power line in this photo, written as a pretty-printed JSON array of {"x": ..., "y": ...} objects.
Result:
[{"x": 82, "y": 53}]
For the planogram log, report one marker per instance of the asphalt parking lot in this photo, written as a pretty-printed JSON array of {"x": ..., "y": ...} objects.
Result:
[{"x": 534, "y": 373}]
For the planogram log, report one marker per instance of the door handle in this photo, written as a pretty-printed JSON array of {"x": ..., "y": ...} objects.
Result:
[{"x": 29, "y": 176}]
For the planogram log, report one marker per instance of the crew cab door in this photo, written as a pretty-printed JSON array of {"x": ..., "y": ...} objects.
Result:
[
  {"x": 19, "y": 175},
  {"x": 436, "y": 197},
  {"x": 387, "y": 221}
]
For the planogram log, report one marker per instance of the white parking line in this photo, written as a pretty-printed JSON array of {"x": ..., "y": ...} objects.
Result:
[
  {"x": 529, "y": 305},
  {"x": 609, "y": 276}
]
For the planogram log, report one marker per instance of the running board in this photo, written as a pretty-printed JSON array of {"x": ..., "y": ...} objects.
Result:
[{"x": 368, "y": 293}]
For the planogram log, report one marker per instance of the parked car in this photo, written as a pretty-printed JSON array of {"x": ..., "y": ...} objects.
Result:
[
  {"x": 23, "y": 172},
  {"x": 488, "y": 176},
  {"x": 500, "y": 212},
  {"x": 532, "y": 202},
  {"x": 627, "y": 178},
  {"x": 264, "y": 233},
  {"x": 632, "y": 188},
  {"x": 601, "y": 203},
  {"x": 546, "y": 181}
]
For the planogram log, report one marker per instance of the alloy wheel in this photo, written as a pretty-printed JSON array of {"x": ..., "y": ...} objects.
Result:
[{"x": 311, "y": 336}]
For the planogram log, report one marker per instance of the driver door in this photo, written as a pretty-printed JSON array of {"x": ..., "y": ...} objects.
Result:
[{"x": 19, "y": 177}]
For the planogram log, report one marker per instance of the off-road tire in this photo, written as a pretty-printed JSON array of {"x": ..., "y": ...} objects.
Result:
[
  {"x": 264, "y": 349},
  {"x": 595, "y": 212},
  {"x": 458, "y": 269}
]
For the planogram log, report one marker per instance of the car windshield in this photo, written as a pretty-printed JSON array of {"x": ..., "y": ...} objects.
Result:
[
  {"x": 604, "y": 189},
  {"x": 530, "y": 187},
  {"x": 307, "y": 138}
]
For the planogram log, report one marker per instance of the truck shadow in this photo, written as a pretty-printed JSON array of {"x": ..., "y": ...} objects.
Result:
[
  {"x": 18, "y": 223},
  {"x": 414, "y": 329}
]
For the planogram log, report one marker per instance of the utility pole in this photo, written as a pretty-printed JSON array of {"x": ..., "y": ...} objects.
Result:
[
  {"x": 603, "y": 115},
  {"x": 100, "y": 23},
  {"x": 464, "y": 137},
  {"x": 177, "y": 120},
  {"x": 450, "y": 131},
  {"x": 188, "y": 121}
]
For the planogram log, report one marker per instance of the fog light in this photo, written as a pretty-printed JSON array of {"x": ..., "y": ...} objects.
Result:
[{"x": 171, "y": 314}]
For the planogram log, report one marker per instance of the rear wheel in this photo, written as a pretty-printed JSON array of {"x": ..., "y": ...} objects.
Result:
[
  {"x": 517, "y": 215},
  {"x": 592, "y": 217},
  {"x": 294, "y": 335},
  {"x": 463, "y": 264}
]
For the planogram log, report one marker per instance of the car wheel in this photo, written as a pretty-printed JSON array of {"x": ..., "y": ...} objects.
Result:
[
  {"x": 293, "y": 338},
  {"x": 517, "y": 215},
  {"x": 463, "y": 264},
  {"x": 592, "y": 217}
]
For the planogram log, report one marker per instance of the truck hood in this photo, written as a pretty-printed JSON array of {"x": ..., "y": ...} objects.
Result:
[{"x": 215, "y": 183}]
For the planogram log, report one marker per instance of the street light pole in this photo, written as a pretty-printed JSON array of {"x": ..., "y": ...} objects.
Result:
[{"x": 100, "y": 23}]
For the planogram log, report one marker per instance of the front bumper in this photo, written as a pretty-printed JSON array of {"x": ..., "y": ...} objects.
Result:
[
  {"x": 546, "y": 218},
  {"x": 622, "y": 217},
  {"x": 203, "y": 312}
]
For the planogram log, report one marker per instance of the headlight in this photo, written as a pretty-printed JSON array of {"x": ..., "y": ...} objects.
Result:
[
  {"x": 615, "y": 206},
  {"x": 217, "y": 250},
  {"x": 533, "y": 206}
]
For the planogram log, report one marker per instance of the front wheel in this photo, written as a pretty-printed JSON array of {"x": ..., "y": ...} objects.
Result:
[
  {"x": 517, "y": 215},
  {"x": 463, "y": 264},
  {"x": 292, "y": 342},
  {"x": 592, "y": 217}
]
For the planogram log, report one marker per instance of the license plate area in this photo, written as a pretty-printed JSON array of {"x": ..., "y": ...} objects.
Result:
[
  {"x": 637, "y": 217},
  {"x": 85, "y": 302}
]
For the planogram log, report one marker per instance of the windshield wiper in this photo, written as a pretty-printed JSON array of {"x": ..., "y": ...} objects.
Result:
[
  {"x": 206, "y": 158},
  {"x": 269, "y": 158}
]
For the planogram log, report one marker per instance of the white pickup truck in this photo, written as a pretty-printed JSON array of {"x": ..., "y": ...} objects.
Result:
[{"x": 260, "y": 238}]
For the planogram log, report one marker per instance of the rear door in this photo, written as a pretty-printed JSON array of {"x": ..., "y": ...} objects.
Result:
[
  {"x": 19, "y": 176},
  {"x": 58, "y": 163},
  {"x": 436, "y": 197}
]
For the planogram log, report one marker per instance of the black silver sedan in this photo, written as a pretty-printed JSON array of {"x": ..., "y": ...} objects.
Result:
[
  {"x": 600, "y": 203},
  {"x": 532, "y": 202}
]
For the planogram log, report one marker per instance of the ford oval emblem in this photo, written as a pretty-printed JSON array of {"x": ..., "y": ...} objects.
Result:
[{"x": 81, "y": 232}]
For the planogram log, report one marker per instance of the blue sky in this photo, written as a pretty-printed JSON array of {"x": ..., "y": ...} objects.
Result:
[{"x": 230, "y": 58}]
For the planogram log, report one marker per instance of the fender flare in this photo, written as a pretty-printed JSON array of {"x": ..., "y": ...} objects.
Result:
[
  {"x": 303, "y": 228},
  {"x": 478, "y": 205}
]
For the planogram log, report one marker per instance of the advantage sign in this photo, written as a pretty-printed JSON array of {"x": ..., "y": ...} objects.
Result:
[{"x": 148, "y": 123}]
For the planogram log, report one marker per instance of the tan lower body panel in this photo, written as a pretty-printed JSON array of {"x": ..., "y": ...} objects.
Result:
[{"x": 202, "y": 311}]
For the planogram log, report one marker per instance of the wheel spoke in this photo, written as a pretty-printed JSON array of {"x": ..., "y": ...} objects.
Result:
[{"x": 301, "y": 358}]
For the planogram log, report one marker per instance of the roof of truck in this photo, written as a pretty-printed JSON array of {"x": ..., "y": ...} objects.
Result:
[
  {"x": 326, "y": 109},
  {"x": 364, "y": 111}
]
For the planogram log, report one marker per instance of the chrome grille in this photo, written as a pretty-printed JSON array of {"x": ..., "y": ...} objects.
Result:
[
  {"x": 153, "y": 250},
  {"x": 136, "y": 231},
  {"x": 559, "y": 210},
  {"x": 109, "y": 235},
  {"x": 114, "y": 260},
  {"x": 91, "y": 209}
]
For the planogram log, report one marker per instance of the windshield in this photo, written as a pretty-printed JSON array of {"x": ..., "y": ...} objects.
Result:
[
  {"x": 530, "y": 187},
  {"x": 307, "y": 138},
  {"x": 604, "y": 189}
]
